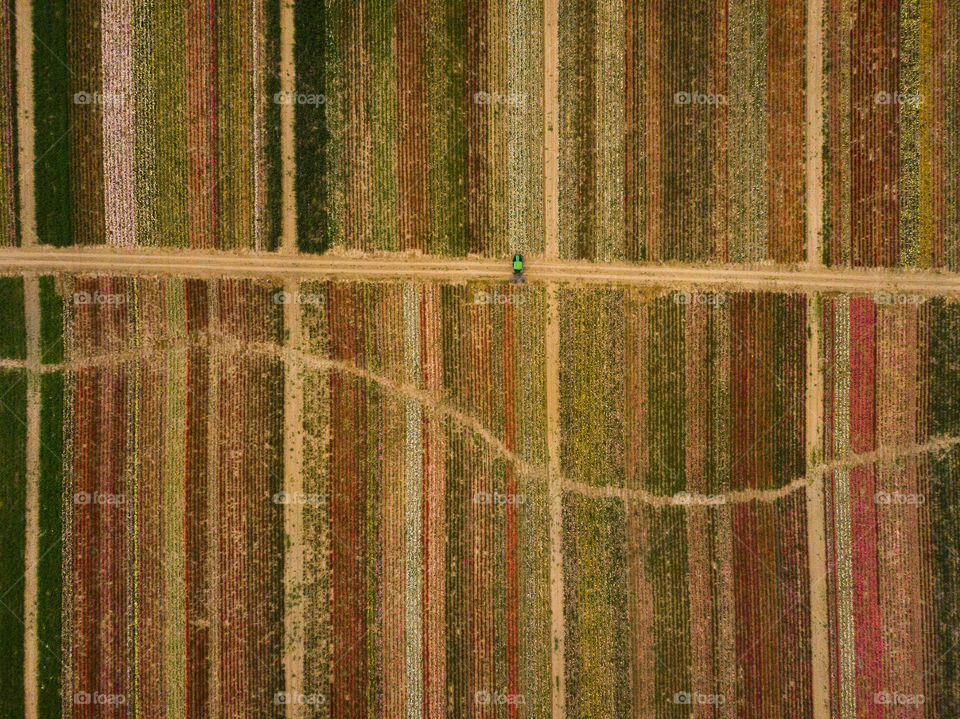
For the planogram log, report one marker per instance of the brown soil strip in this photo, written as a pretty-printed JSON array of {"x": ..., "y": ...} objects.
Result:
[
  {"x": 32, "y": 512},
  {"x": 720, "y": 131},
  {"x": 288, "y": 167},
  {"x": 259, "y": 113},
  {"x": 201, "y": 149},
  {"x": 653, "y": 130},
  {"x": 356, "y": 127},
  {"x": 551, "y": 119},
  {"x": 25, "y": 128},
  {"x": 814, "y": 130},
  {"x": 555, "y": 488},
  {"x": 293, "y": 562},
  {"x": 816, "y": 521},
  {"x": 785, "y": 133},
  {"x": 702, "y": 611}
]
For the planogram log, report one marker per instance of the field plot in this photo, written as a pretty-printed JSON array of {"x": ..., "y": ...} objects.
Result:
[
  {"x": 391, "y": 554},
  {"x": 430, "y": 133},
  {"x": 891, "y": 122},
  {"x": 681, "y": 130},
  {"x": 685, "y": 555},
  {"x": 890, "y": 402},
  {"x": 421, "y": 563},
  {"x": 434, "y": 589},
  {"x": 157, "y": 123},
  {"x": 172, "y": 549}
]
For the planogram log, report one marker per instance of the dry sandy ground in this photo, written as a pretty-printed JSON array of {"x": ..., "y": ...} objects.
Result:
[
  {"x": 209, "y": 264},
  {"x": 555, "y": 493}
]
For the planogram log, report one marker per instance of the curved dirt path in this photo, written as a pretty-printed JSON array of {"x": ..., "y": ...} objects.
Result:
[{"x": 741, "y": 496}]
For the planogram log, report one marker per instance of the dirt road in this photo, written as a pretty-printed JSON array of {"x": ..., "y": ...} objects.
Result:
[{"x": 205, "y": 264}]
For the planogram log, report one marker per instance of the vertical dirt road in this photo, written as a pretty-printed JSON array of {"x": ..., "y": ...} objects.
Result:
[
  {"x": 551, "y": 119},
  {"x": 551, "y": 157},
  {"x": 293, "y": 615},
  {"x": 23, "y": 12},
  {"x": 288, "y": 240},
  {"x": 816, "y": 527}
]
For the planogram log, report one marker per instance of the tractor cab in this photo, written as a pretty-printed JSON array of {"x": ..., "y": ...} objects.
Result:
[{"x": 518, "y": 267}]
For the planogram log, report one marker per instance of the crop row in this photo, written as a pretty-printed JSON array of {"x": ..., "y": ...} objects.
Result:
[
  {"x": 681, "y": 134},
  {"x": 409, "y": 572},
  {"x": 892, "y": 571},
  {"x": 156, "y": 125},
  {"x": 430, "y": 134},
  {"x": 890, "y": 178},
  {"x": 671, "y": 392}
]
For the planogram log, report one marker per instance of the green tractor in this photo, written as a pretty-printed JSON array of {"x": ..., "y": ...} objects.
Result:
[{"x": 517, "y": 267}]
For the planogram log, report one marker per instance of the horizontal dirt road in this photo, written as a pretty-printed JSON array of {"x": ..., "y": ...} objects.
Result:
[{"x": 206, "y": 264}]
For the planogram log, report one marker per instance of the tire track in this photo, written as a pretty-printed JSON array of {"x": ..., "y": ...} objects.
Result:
[{"x": 212, "y": 264}]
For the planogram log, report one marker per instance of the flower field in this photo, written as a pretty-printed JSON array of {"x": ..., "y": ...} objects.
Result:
[
  {"x": 422, "y": 127},
  {"x": 421, "y": 565},
  {"x": 681, "y": 131},
  {"x": 403, "y": 567},
  {"x": 890, "y": 182},
  {"x": 686, "y": 567},
  {"x": 283, "y": 434},
  {"x": 414, "y": 127},
  {"x": 430, "y": 136},
  {"x": 891, "y": 522},
  {"x": 156, "y": 124}
]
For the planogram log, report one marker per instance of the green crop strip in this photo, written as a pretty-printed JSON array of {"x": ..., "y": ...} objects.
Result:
[
  {"x": 51, "y": 86},
  {"x": 13, "y": 467},
  {"x": 13, "y": 335},
  {"x": 50, "y": 550}
]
